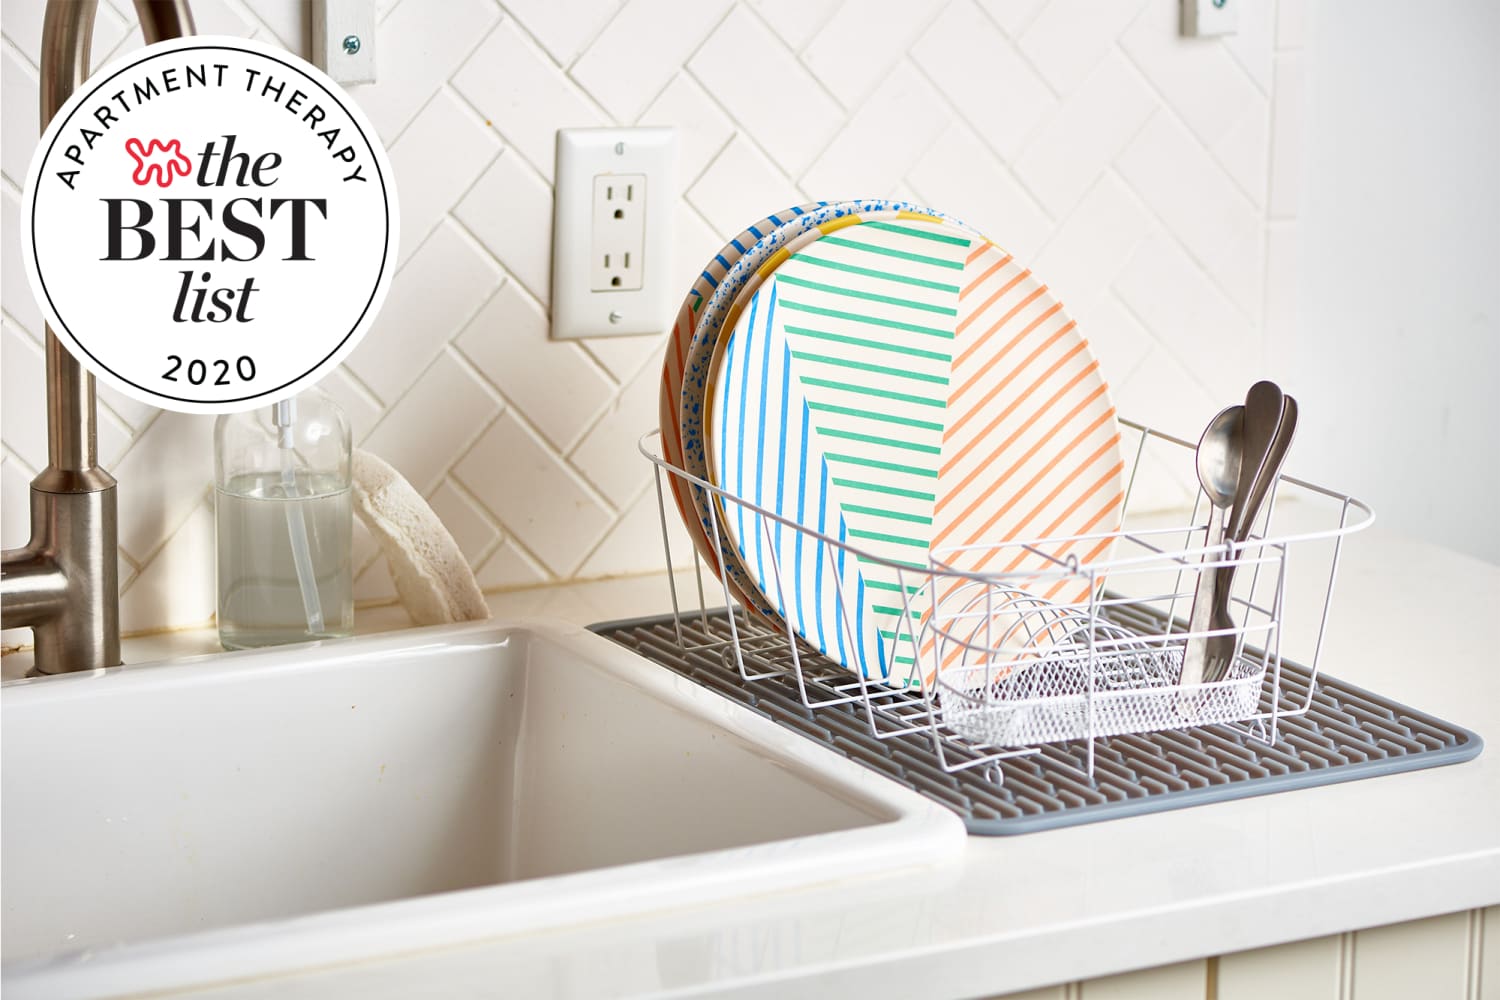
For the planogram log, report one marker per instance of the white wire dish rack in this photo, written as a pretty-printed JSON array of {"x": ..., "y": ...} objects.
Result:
[{"x": 998, "y": 664}]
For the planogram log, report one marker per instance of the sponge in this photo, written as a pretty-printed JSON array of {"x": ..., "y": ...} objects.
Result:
[{"x": 431, "y": 575}]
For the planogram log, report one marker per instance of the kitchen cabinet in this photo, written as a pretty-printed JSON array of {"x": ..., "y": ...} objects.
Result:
[{"x": 1455, "y": 956}]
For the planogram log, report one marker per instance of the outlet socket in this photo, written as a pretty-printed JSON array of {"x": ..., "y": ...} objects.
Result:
[
  {"x": 614, "y": 196},
  {"x": 619, "y": 237}
]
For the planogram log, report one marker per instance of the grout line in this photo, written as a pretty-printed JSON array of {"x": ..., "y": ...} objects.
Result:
[
  {"x": 364, "y": 392},
  {"x": 12, "y": 456},
  {"x": 741, "y": 132},
  {"x": 25, "y": 57},
  {"x": 457, "y": 329},
  {"x": 454, "y": 220},
  {"x": 1022, "y": 145},
  {"x": 608, "y": 532},
  {"x": 481, "y": 121},
  {"x": 510, "y": 538},
  {"x": 813, "y": 35},
  {"x": 388, "y": 10},
  {"x": 530, "y": 559},
  {"x": 25, "y": 334},
  {"x": 485, "y": 382},
  {"x": 479, "y": 246},
  {"x": 818, "y": 81},
  {"x": 593, "y": 39},
  {"x": 487, "y": 515},
  {"x": 1113, "y": 168},
  {"x": 540, "y": 50},
  {"x": 1346, "y": 966},
  {"x": 460, "y": 62},
  {"x": 205, "y": 496},
  {"x": 568, "y": 468},
  {"x": 1474, "y": 955},
  {"x": 1167, "y": 105}
]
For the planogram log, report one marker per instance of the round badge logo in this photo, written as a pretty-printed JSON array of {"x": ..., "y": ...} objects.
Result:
[{"x": 210, "y": 224}]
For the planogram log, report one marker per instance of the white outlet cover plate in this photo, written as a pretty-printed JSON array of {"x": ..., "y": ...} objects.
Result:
[{"x": 584, "y": 154}]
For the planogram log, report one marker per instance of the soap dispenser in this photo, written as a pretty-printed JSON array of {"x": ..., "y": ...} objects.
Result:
[{"x": 284, "y": 522}]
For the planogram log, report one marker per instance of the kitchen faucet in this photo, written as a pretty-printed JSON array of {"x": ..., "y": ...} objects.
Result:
[{"x": 64, "y": 584}]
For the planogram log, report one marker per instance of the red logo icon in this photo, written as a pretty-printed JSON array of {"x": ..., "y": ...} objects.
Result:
[{"x": 161, "y": 162}]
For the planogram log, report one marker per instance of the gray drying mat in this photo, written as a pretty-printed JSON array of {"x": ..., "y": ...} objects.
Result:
[{"x": 1349, "y": 733}]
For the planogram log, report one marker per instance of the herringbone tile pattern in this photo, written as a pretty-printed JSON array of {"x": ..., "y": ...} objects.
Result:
[{"x": 1142, "y": 174}]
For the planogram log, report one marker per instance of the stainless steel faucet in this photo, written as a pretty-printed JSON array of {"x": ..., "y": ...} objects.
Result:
[{"x": 65, "y": 584}]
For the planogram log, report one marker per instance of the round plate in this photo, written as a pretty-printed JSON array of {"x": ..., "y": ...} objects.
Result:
[
  {"x": 904, "y": 386},
  {"x": 700, "y": 514},
  {"x": 708, "y": 281}
]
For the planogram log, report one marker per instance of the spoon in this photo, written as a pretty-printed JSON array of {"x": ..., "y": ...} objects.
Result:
[
  {"x": 1219, "y": 458},
  {"x": 1220, "y": 652}
]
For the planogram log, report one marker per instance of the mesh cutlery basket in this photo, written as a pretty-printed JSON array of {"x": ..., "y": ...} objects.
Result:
[{"x": 998, "y": 660}]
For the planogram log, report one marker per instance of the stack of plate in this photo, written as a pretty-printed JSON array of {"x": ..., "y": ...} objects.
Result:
[{"x": 887, "y": 379}]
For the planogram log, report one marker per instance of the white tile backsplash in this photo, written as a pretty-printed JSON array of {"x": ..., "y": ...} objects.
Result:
[
  {"x": 959, "y": 169},
  {"x": 642, "y": 49},
  {"x": 608, "y": 455},
  {"x": 169, "y": 468},
  {"x": 1191, "y": 194},
  {"x": 858, "y": 45},
  {"x": 524, "y": 94},
  {"x": 563, "y": 29},
  {"x": 535, "y": 495},
  {"x": 426, "y": 432},
  {"x": 889, "y": 133},
  {"x": 509, "y": 210},
  {"x": 417, "y": 53},
  {"x": 1091, "y": 126},
  {"x": 18, "y": 127},
  {"x": 1132, "y": 168},
  {"x": 702, "y": 126},
  {"x": 24, "y": 401},
  {"x": 987, "y": 80},
  {"x": 436, "y": 160},
  {"x": 1069, "y": 38},
  {"x": 739, "y": 177},
  {"x": 765, "y": 88},
  {"x": 443, "y": 285},
  {"x": 552, "y": 381},
  {"x": 15, "y": 293},
  {"x": 1286, "y": 137},
  {"x": 1202, "y": 83}
]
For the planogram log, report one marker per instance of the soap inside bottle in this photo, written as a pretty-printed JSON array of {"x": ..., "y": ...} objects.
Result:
[{"x": 284, "y": 524}]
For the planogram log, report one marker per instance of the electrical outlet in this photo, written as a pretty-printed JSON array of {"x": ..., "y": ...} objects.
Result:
[
  {"x": 619, "y": 233},
  {"x": 614, "y": 193}
]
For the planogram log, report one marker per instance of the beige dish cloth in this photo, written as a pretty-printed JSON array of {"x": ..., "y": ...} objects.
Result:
[{"x": 432, "y": 577}]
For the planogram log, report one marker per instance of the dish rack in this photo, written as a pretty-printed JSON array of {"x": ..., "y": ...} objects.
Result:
[{"x": 1026, "y": 642}]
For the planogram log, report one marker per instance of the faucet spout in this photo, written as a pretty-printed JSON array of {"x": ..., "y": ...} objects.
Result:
[{"x": 64, "y": 584}]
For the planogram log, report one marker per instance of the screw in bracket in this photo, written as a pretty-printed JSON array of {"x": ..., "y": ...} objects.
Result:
[{"x": 351, "y": 44}]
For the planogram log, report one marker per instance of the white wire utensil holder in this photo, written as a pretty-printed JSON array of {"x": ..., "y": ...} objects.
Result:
[{"x": 1008, "y": 663}]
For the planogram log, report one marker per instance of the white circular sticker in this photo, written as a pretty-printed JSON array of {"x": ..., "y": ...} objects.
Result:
[{"x": 210, "y": 224}]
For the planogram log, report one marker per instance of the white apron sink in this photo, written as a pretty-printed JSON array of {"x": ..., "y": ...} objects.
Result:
[{"x": 255, "y": 814}]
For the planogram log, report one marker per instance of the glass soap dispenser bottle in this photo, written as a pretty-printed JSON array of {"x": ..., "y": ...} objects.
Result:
[{"x": 284, "y": 522}]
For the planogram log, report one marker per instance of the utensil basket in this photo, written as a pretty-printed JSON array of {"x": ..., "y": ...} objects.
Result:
[{"x": 1030, "y": 641}]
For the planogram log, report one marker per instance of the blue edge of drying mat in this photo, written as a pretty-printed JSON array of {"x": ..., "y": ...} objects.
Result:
[{"x": 1369, "y": 747}]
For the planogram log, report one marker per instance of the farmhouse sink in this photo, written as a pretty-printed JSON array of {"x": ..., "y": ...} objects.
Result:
[{"x": 253, "y": 814}]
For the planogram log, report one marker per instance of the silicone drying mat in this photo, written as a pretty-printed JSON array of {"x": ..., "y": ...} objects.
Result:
[{"x": 1348, "y": 733}]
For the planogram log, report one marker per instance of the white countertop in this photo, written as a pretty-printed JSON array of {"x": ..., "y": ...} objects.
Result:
[{"x": 1023, "y": 911}]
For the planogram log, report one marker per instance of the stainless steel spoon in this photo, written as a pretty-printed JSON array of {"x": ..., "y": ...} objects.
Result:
[
  {"x": 1220, "y": 451},
  {"x": 1221, "y": 650}
]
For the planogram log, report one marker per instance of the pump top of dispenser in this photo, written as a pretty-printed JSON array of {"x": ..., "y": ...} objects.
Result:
[{"x": 254, "y": 443}]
